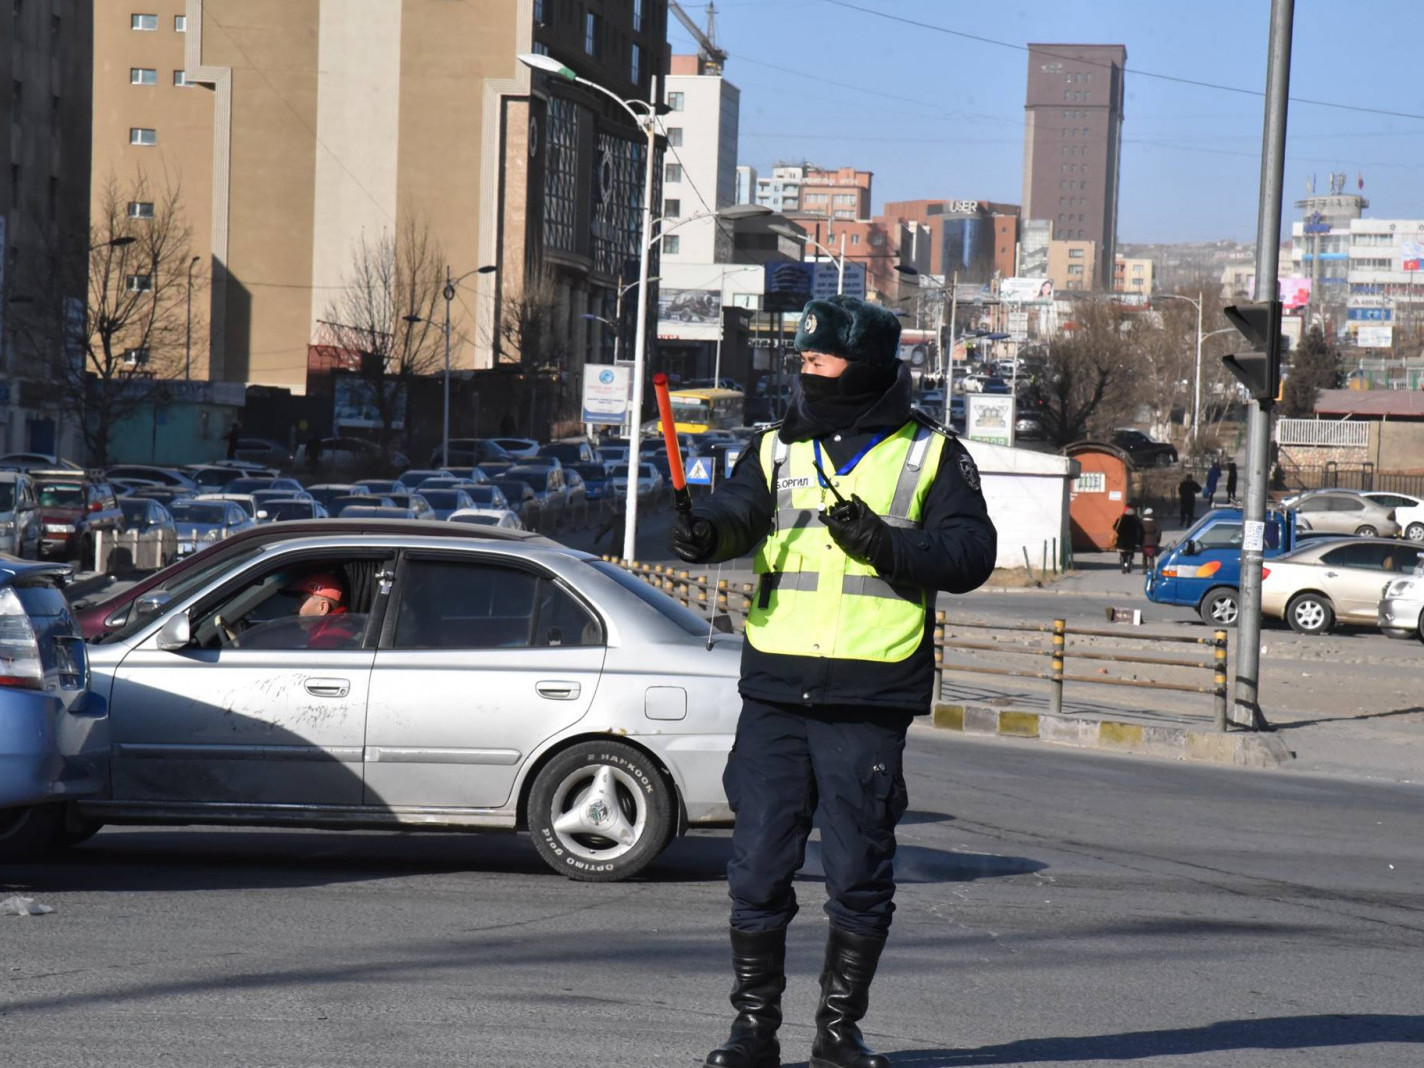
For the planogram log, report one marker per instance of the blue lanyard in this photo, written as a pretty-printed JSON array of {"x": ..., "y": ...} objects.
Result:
[{"x": 849, "y": 466}]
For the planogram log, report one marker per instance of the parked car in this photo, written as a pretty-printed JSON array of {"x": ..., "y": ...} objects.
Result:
[
  {"x": 1408, "y": 511},
  {"x": 409, "y": 480},
  {"x": 74, "y": 510},
  {"x": 198, "y": 522},
  {"x": 377, "y": 511},
  {"x": 352, "y": 453},
  {"x": 51, "y": 750},
  {"x": 444, "y": 501},
  {"x": 148, "y": 594},
  {"x": 1329, "y": 582},
  {"x": 595, "y": 482},
  {"x": 246, "y": 501},
  {"x": 419, "y": 505},
  {"x": 21, "y": 528},
  {"x": 263, "y": 451},
  {"x": 124, "y": 486},
  {"x": 262, "y": 496},
  {"x": 649, "y": 480},
  {"x": 500, "y": 518},
  {"x": 522, "y": 500},
  {"x": 985, "y": 384},
  {"x": 549, "y": 487},
  {"x": 325, "y": 492},
  {"x": 1202, "y": 569},
  {"x": 42, "y": 461},
  {"x": 337, "y": 505},
  {"x": 1141, "y": 450},
  {"x": 461, "y": 473},
  {"x": 525, "y": 650},
  {"x": 569, "y": 452},
  {"x": 1401, "y": 607},
  {"x": 252, "y": 485},
  {"x": 211, "y": 478},
  {"x": 518, "y": 448},
  {"x": 1345, "y": 512},
  {"x": 469, "y": 451},
  {"x": 152, "y": 523},
  {"x": 164, "y": 495},
  {"x": 165, "y": 476},
  {"x": 485, "y": 495},
  {"x": 1029, "y": 426},
  {"x": 288, "y": 509}
]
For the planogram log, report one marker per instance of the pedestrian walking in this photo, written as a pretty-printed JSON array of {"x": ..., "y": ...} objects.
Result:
[
  {"x": 1231, "y": 482},
  {"x": 1127, "y": 534},
  {"x": 859, "y": 509},
  {"x": 1213, "y": 476},
  {"x": 234, "y": 435},
  {"x": 1187, "y": 491},
  {"x": 1151, "y": 539}
]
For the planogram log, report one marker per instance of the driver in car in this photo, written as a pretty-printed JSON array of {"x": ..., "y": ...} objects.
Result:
[{"x": 323, "y": 611}]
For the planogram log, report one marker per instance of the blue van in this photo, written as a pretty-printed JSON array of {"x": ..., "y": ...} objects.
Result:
[{"x": 1203, "y": 569}]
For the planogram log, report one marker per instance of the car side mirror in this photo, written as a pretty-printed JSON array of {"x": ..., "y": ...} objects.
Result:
[
  {"x": 152, "y": 602},
  {"x": 176, "y": 633},
  {"x": 1191, "y": 548},
  {"x": 261, "y": 513}
]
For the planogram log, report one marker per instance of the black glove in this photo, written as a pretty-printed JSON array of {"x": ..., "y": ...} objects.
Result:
[
  {"x": 693, "y": 538},
  {"x": 861, "y": 533}
]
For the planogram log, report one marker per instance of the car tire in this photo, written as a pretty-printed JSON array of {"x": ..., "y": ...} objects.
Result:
[
  {"x": 30, "y": 831},
  {"x": 1364, "y": 530},
  {"x": 1310, "y": 613},
  {"x": 1220, "y": 607},
  {"x": 593, "y": 786},
  {"x": 1414, "y": 532}
]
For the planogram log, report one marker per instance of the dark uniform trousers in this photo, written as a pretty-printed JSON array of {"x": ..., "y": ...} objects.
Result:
[{"x": 842, "y": 766}]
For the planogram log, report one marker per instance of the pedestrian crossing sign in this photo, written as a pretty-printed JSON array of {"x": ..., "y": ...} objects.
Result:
[{"x": 699, "y": 471}]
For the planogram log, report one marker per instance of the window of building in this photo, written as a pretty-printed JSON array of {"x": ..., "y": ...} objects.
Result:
[
  {"x": 674, "y": 136},
  {"x": 592, "y": 31},
  {"x": 845, "y": 198},
  {"x": 143, "y": 76},
  {"x": 672, "y": 208},
  {"x": 180, "y": 23},
  {"x": 855, "y": 239},
  {"x": 674, "y": 101},
  {"x": 637, "y": 16},
  {"x": 143, "y": 22},
  {"x": 815, "y": 198},
  {"x": 140, "y": 283},
  {"x": 180, "y": 79},
  {"x": 671, "y": 243},
  {"x": 135, "y": 357},
  {"x": 635, "y": 63},
  {"x": 1075, "y": 254},
  {"x": 840, "y": 214},
  {"x": 143, "y": 135},
  {"x": 14, "y": 186},
  {"x": 539, "y": 12},
  {"x": 140, "y": 209},
  {"x": 672, "y": 172},
  {"x": 1075, "y": 268}
]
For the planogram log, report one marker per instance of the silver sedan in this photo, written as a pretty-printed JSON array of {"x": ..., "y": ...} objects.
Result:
[{"x": 452, "y": 684}]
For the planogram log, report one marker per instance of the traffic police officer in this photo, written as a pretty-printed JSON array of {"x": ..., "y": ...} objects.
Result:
[{"x": 860, "y": 509}]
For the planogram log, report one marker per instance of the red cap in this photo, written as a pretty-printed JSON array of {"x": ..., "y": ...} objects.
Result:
[{"x": 322, "y": 584}]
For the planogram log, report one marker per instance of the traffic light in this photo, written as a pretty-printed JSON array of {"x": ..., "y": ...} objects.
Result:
[{"x": 1260, "y": 369}]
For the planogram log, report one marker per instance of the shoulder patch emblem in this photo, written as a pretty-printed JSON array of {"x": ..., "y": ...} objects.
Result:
[{"x": 968, "y": 470}]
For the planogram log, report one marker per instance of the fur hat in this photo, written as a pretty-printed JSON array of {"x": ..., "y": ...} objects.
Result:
[{"x": 850, "y": 328}]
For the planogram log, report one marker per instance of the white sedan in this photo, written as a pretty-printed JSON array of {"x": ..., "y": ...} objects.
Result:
[
  {"x": 1334, "y": 580},
  {"x": 1408, "y": 511},
  {"x": 501, "y": 518}
]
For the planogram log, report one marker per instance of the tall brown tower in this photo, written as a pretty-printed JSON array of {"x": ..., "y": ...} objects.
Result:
[{"x": 1073, "y": 144}]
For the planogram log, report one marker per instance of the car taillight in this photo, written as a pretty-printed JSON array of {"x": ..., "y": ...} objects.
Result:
[
  {"x": 1264, "y": 572},
  {"x": 20, "y": 664},
  {"x": 95, "y": 506}
]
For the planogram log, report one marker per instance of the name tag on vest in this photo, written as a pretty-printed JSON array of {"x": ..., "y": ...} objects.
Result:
[{"x": 793, "y": 483}]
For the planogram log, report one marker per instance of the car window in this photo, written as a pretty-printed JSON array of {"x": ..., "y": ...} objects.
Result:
[
  {"x": 1220, "y": 536},
  {"x": 61, "y": 495},
  {"x": 448, "y": 604},
  {"x": 1373, "y": 557},
  {"x": 1344, "y": 504},
  {"x": 1392, "y": 500},
  {"x": 1313, "y": 504}
]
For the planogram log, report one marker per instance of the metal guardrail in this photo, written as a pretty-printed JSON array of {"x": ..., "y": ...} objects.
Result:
[
  {"x": 1057, "y": 652},
  {"x": 692, "y": 591}
]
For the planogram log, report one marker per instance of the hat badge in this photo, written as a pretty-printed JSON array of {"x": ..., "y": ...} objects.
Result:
[{"x": 811, "y": 323}]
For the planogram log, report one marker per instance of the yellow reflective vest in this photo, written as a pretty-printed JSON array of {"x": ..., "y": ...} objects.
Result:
[{"x": 811, "y": 598}]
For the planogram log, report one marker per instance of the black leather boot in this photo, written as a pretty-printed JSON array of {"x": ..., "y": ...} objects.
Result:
[
  {"x": 759, "y": 965},
  {"x": 845, "y": 995}
]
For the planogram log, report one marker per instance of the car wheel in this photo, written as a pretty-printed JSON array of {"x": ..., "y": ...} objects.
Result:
[
  {"x": 1220, "y": 607},
  {"x": 1414, "y": 532},
  {"x": 599, "y": 812},
  {"x": 1364, "y": 530},
  {"x": 29, "y": 831},
  {"x": 1310, "y": 613}
]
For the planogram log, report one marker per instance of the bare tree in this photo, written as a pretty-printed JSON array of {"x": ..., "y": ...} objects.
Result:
[
  {"x": 389, "y": 313},
  {"x": 103, "y": 353},
  {"x": 527, "y": 318},
  {"x": 1091, "y": 381}
]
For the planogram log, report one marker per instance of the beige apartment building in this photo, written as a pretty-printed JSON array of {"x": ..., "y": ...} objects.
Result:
[
  {"x": 1073, "y": 265},
  {"x": 44, "y": 219},
  {"x": 300, "y": 129},
  {"x": 1132, "y": 275}
]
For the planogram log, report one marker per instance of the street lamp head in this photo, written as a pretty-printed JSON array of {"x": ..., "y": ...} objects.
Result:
[
  {"x": 120, "y": 242},
  {"x": 906, "y": 269},
  {"x": 412, "y": 318},
  {"x": 548, "y": 64},
  {"x": 488, "y": 268}
]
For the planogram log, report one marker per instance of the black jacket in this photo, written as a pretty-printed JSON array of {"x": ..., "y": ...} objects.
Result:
[{"x": 954, "y": 551}]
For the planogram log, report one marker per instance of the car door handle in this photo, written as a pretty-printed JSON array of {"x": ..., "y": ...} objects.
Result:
[
  {"x": 328, "y": 687},
  {"x": 556, "y": 690},
  {"x": 1332, "y": 574}
]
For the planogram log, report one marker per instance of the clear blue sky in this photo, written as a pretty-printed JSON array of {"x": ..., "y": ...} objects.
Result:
[{"x": 937, "y": 115}]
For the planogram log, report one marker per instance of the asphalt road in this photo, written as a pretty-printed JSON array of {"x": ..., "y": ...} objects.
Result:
[{"x": 1056, "y": 907}]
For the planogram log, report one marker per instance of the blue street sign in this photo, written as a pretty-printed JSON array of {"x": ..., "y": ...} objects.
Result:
[
  {"x": 732, "y": 455},
  {"x": 699, "y": 471}
]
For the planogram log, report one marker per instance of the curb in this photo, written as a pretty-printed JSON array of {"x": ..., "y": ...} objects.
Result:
[{"x": 1245, "y": 749}]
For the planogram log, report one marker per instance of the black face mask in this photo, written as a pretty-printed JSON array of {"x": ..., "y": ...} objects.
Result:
[{"x": 836, "y": 403}]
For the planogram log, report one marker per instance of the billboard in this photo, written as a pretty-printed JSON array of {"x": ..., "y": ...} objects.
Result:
[
  {"x": 1295, "y": 292},
  {"x": 1025, "y": 290},
  {"x": 990, "y": 417},
  {"x": 826, "y": 277},
  {"x": 787, "y": 287},
  {"x": 1412, "y": 253},
  {"x": 605, "y": 393},
  {"x": 1375, "y": 337},
  {"x": 689, "y": 314}
]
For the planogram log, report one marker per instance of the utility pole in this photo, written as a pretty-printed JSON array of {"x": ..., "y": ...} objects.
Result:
[
  {"x": 949, "y": 355},
  {"x": 1268, "y": 231}
]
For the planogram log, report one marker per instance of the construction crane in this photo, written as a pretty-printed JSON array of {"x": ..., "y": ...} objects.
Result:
[{"x": 709, "y": 57}]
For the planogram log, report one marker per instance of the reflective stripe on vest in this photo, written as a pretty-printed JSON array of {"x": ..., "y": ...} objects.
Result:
[{"x": 812, "y": 599}]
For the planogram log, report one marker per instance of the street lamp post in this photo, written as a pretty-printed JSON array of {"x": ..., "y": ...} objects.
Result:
[{"x": 188, "y": 328}]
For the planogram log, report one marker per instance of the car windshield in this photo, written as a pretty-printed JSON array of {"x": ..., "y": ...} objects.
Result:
[
  {"x": 685, "y": 619},
  {"x": 592, "y": 472},
  {"x": 7, "y": 496},
  {"x": 440, "y": 498},
  {"x": 61, "y": 495},
  {"x": 539, "y": 479},
  {"x": 288, "y": 510},
  {"x": 177, "y": 588},
  {"x": 198, "y": 512},
  {"x": 134, "y": 511},
  {"x": 618, "y": 471}
]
